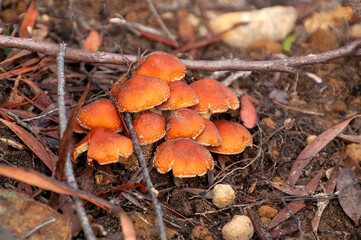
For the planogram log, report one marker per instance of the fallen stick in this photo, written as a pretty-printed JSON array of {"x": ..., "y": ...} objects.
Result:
[{"x": 280, "y": 65}]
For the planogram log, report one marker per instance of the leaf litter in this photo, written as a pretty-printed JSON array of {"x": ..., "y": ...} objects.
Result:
[{"x": 29, "y": 68}]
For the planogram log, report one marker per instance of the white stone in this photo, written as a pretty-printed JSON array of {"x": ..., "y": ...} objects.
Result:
[
  {"x": 239, "y": 228},
  {"x": 273, "y": 23},
  {"x": 223, "y": 195}
]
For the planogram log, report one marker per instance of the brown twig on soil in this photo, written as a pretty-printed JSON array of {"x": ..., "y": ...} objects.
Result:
[
  {"x": 257, "y": 229},
  {"x": 69, "y": 172},
  {"x": 281, "y": 65}
]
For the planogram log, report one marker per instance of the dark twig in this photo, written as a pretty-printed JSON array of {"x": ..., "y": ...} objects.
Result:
[
  {"x": 255, "y": 225},
  {"x": 285, "y": 65},
  {"x": 69, "y": 173},
  {"x": 152, "y": 191}
]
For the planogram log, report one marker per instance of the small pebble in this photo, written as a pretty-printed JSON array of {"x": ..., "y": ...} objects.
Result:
[
  {"x": 223, "y": 195},
  {"x": 268, "y": 124},
  {"x": 311, "y": 138},
  {"x": 239, "y": 228},
  {"x": 354, "y": 151}
]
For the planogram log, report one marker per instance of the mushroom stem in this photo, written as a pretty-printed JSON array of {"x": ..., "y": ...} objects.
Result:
[{"x": 148, "y": 182}]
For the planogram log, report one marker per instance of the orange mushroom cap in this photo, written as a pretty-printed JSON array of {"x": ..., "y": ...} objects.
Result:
[
  {"x": 79, "y": 129},
  {"x": 101, "y": 113},
  {"x": 114, "y": 89},
  {"x": 186, "y": 157},
  {"x": 210, "y": 135},
  {"x": 162, "y": 65},
  {"x": 184, "y": 123},
  {"x": 104, "y": 146},
  {"x": 142, "y": 92},
  {"x": 150, "y": 127},
  {"x": 213, "y": 96},
  {"x": 181, "y": 96},
  {"x": 235, "y": 137}
]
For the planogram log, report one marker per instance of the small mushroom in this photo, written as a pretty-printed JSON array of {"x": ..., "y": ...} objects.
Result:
[
  {"x": 103, "y": 146},
  {"x": 239, "y": 228},
  {"x": 149, "y": 127},
  {"x": 223, "y": 195},
  {"x": 142, "y": 92},
  {"x": 184, "y": 123},
  {"x": 210, "y": 135},
  {"x": 161, "y": 65},
  {"x": 186, "y": 157},
  {"x": 213, "y": 97},
  {"x": 235, "y": 138},
  {"x": 181, "y": 96},
  {"x": 101, "y": 113}
]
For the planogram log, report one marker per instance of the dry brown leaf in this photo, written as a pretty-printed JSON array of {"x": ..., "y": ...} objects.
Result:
[
  {"x": 312, "y": 149},
  {"x": 15, "y": 54},
  {"x": 350, "y": 191},
  {"x": 248, "y": 112},
  {"x": 29, "y": 21},
  {"x": 93, "y": 41},
  {"x": 18, "y": 209},
  {"x": 284, "y": 213},
  {"x": 37, "y": 179},
  {"x": 43, "y": 152},
  {"x": 322, "y": 204},
  {"x": 19, "y": 71}
]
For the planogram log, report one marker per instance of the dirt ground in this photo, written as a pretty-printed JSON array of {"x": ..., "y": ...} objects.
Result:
[{"x": 338, "y": 97}]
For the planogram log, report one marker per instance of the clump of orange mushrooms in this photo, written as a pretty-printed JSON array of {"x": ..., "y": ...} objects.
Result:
[{"x": 167, "y": 109}]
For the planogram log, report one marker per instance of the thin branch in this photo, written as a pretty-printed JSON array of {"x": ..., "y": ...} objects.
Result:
[
  {"x": 69, "y": 173},
  {"x": 281, "y": 65},
  {"x": 38, "y": 227},
  {"x": 148, "y": 182},
  {"x": 160, "y": 22}
]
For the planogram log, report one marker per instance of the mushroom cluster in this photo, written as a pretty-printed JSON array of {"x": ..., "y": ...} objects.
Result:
[{"x": 164, "y": 106}]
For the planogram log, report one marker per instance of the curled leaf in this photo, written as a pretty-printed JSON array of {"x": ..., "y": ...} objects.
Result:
[{"x": 248, "y": 112}]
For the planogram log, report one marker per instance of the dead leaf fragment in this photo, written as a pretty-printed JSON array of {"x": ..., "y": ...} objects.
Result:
[
  {"x": 18, "y": 209},
  {"x": 284, "y": 213},
  {"x": 93, "y": 41},
  {"x": 29, "y": 21},
  {"x": 248, "y": 112},
  {"x": 43, "y": 152},
  {"x": 312, "y": 149},
  {"x": 350, "y": 192},
  {"x": 37, "y": 179}
]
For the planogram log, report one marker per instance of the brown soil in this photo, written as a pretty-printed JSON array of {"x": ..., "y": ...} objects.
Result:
[{"x": 274, "y": 151}]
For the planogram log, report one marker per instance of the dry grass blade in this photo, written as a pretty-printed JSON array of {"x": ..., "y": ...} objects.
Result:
[
  {"x": 296, "y": 206},
  {"x": 312, "y": 149},
  {"x": 43, "y": 152},
  {"x": 37, "y": 179}
]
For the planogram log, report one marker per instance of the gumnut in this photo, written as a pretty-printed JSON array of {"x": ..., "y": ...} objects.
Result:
[
  {"x": 223, "y": 195},
  {"x": 239, "y": 228},
  {"x": 267, "y": 211}
]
